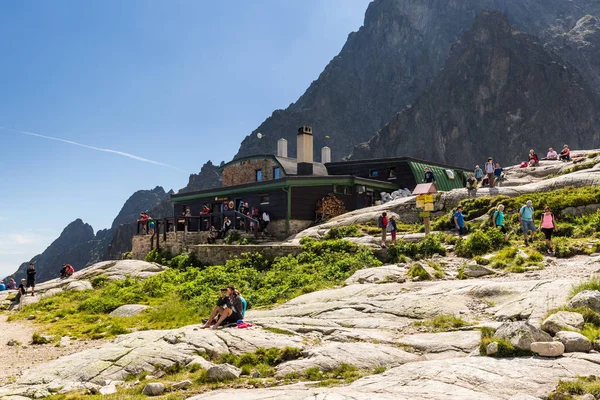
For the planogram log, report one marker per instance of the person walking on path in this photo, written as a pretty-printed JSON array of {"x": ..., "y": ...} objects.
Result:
[
  {"x": 31, "y": 278},
  {"x": 383, "y": 224},
  {"x": 393, "y": 228},
  {"x": 478, "y": 173},
  {"x": 459, "y": 221},
  {"x": 489, "y": 171},
  {"x": 526, "y": 220},
  {"x": 498, "y": 220},
  {"x": 547, "y": 225},
  {"x": 429, "y": 176}
]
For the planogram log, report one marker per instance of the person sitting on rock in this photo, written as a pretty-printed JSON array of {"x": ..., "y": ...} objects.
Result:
[
  {"x": 63, "y": 271},
  {"x": 478, "y": 173},
  {"x": 565, "y": 154},
  {"x": 533, "y": 159},
  {"x": 244, "y": 303},
  {"x": 213, "y": 235},
  {"x": 2, "y": 286},
  {"x": 471, "y": 183},
  {"x": 12, "y": 285},
  {"x": 552, "y": 154},
  {"x": 229, "y": 310}
]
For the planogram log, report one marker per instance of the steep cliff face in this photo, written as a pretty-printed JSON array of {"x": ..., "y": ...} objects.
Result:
[
  {"x": 75, "y": 246},
  {"x": 500, "y": 93},
  {"x": 581, "y": 47},
  {"x": 387, "y": 64},
  {"x": 209, "y": 177},
  {"x": 141, "y": 200}
]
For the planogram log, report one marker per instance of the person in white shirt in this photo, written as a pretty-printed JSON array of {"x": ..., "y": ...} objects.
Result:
[
  {"x": 266, "y": 219},
  {"x": 552, "y": 154}
]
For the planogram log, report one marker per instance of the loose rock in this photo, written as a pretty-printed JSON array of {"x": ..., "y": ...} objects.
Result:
[
  {"x": 563, "y": 320},
  {"x": 587, "y": 298},
  {"x": 128, "y": 310},
  {"x": 521, "y": 334},
  {"x": 223, "y": 372},
  {"x": 491, "y": 349},
  {"x": 548, "y": 349},
  {"x": 474, "y": 270},
  {"x": 30, "y": 317},
  {"x": 154, "y": 389},
  {"x": 110, "y": 389},
  {"x": 574, "y": 342},
  {"x": 79, "y": 286},
  {"x": 182, "y": 385}
]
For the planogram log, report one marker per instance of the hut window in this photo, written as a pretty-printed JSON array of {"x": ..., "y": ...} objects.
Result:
[
  {"x": 373, "y": 173},
  {"x": 340, "y": 189},
  {"x": 450, "y": 174},
  {"x": 259, "y": 176},
  {"x": 264, "y": 199},
  {"x": 392, "y": 173},
  {"x": 276, "y": 173}
]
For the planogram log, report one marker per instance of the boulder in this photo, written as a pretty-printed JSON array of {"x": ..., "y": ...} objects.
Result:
[
  {"x": 387, "y": 273},
  {"x": 521, "y": 334},
  {"x": 491, "y": 349},
  {"x": 587, "y": 298},
  {"x": 574, "y": 342},
  {"x": 109, "y": 389},
  {"x": 548, "y": 349},
  {"x": 128, "y": 310},
  {"x": 202, "y": 362},
  {"x": 561, "y": 321},
  {"x": 223, "y": 372},
  {"x": 153, "y": 389},
  {"x": 79, "y": 286},
  {"x": 474, "y": 270},
  {"x": 92, "y": 388},
  {"x": 182, "y": 385}
]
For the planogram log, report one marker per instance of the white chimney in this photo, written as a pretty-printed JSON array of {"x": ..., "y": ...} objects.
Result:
[
  {"x": 282, "y": 148},
  {"x": 325, "y": 155},
  {"x": 305, "y": 145}
]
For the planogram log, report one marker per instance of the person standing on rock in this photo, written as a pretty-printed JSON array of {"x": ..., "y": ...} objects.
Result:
[
  {"x": 489, "y": 171},
  {"x": 429, "y": 176},
  {"x": 383, "y": 224},
  {"x": 478, "y": 173},
  {"x": 547, "y": 225},
  {"x": 498, "y": 174},
  {"x": 526, "y": 220},
  {"x": 498, "y": 221},
  {"x": 393, "y": 228},
  {"x": 31, "y": 278},
  {"x": 459, "y": 221}
]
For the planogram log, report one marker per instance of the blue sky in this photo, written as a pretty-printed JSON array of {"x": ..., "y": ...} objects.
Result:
[{"x": 177, "y": 82}]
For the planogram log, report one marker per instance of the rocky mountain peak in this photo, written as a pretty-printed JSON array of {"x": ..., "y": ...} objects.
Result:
[
  {"x": 141, "y": 200},
  {"x": 208, "y": 177}
]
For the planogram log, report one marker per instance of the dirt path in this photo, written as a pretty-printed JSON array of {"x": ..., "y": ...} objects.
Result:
[{"x": 19, "y": 358}]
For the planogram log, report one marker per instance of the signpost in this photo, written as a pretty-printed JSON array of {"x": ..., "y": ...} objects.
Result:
[{"x": 425, "y": 200}]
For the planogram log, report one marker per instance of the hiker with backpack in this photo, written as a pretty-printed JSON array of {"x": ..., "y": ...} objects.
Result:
[
  {"x": 459, "y": 221},
  {"x": 229, "y": 309},
  {"x": 383, "y": 224},
  {"x": 526, "y": 221},
  {"x": 498, "y": 220},
  {"x": 393, "y": 228},
  {"x": 547, "y": 225},
  {"x": 489, "y": 172}
]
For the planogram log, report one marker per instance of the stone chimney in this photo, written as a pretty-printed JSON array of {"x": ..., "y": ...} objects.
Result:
[
  {"x": 305, "y": 151},
  {"x": 325, "y": 155},
  {"x": 282, "y": 148}
]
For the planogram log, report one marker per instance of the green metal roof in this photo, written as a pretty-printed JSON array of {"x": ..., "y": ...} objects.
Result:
[{"x": 442, "y": 182}]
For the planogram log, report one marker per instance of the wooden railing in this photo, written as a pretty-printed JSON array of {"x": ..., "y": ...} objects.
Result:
[{"x": 202, "y": 223}]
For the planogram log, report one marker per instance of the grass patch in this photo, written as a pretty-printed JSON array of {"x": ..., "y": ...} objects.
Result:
[
  {"x": 279, "y": 331},
  {"x": 442, "y": 323},
  {"x": 592, "y": 284},
  {"x": 579, "y": 387},
  {"x": 430, "y": 245},
  {"x": 186, "y": 291},
  {"x": 340, "y": 232},
  {"x": 418, "y": 273}
]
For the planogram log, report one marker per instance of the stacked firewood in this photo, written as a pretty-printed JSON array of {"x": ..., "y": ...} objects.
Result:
[{"x": 329, "y": 207}]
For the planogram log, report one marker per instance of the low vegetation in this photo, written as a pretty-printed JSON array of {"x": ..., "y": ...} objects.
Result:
[
  {"x": 505, "y": 348},
  {"x": 186, "y": 292},
  {"x": 578, "y": 387},
  {"x": 442, "y": 323},
  {"x": 430, "y": 245},
  {"x": 591, "y": 284}
]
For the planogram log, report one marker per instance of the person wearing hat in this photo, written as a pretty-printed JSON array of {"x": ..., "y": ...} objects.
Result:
[{"x": 526, "y": 220}]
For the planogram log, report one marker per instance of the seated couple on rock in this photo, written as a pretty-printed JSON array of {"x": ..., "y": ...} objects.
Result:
[{"x": 230, "y": 309}]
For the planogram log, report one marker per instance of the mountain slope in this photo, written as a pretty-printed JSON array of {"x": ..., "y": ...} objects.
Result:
[
  {"x": 500, "y": 93},
  {"x": 142, "y": 200},
  {"x": 387, "y": 64},
  {"x": 581, "y": 46},
  {"x": 208, "y": 177}
]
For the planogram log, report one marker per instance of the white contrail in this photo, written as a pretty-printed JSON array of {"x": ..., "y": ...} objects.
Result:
[{"x": 95, "y": 148}]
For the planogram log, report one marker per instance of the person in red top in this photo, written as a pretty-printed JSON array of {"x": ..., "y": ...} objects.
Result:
[
  {"x": 565, "y": 154},
  {"x": 144, "y": 220},
  {"x": 383, "y": 223}
]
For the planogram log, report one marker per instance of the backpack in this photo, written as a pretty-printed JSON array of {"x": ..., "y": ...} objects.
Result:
[
  {"x": 380, "y": 222},
  {"x": 494, "y": 217}
]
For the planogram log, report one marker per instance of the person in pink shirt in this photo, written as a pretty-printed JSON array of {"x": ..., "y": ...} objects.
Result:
[{"x": 547, "y": 225}]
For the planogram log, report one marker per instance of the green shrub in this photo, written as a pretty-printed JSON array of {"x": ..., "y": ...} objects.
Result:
[
  {"x": 99, "y": 281},
  {"x": 443, "y": 323},
  {"x": 185, "y": 260},
  {"x": 563, "y": 248},
  {"x": 340, "y": 232},
  {"x": 36, "y": 338},
  {"x": 505, "y": 348},
  {"x": 476, "y": 245},
  {"x": 417, "y": 272},
  {"x": 481, "y": 261},
  {"x": 430, "y": 245},
  {"x": 232, "y": 237}
]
